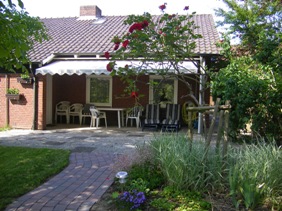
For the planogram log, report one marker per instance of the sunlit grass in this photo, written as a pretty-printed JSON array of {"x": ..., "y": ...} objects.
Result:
[{"x": 23, "y": 169}]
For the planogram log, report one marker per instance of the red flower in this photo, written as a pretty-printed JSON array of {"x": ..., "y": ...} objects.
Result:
[
  {"x": 135, "y": 26},
  {"x": 107, "y": 55},
  {"x": 162, "y": 7},
  {"x": 134, "y": 94},
  {"x": 186, "y": 8},
  {"x": 116, "y": 47},
  {"x": 145, "y": 23},
  {"x": 171, "y": 16},
  {"x": 125, "y": 43},
  {"x": 110, "y": 66}
]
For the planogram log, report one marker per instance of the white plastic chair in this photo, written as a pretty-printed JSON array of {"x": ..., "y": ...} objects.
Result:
[
  {"x": 134, "y": 114},
  {"x": 62, "y": 109},
  {"x": 86, "y": 112},
  {"x": 76, "y": 110},
  {"x": 96, "y": 115}
]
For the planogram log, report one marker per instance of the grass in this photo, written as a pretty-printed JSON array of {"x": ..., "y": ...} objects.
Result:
[{"x": 23, "y": 169}]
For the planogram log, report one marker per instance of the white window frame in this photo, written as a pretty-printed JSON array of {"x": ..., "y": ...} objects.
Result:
[
  {"x": 158, "y": 77},
  {"x": 110, "y": 89}
]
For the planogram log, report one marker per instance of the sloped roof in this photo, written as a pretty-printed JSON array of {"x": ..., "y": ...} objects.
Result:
[{"x": 81, "y": 36}]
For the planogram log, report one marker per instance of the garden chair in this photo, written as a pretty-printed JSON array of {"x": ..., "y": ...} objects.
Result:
[
  {"x": 134, "y": 114},
  {"x": 96, "y": 115},
  {"x": 152, "y": 116},
  {"x": 86, "y": 112},
  {"x": 62, "y": 109},
  {"x": 76, "y": 110},
  {"x": 171, "y": 122}
]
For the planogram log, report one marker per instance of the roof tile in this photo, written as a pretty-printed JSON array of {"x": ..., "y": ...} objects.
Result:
[{"x": 71, "y": 35}]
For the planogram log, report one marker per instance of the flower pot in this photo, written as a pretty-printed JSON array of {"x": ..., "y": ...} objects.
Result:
[
  {"x": 13, "y": 96},
  {"x": 24, "y": 80}
]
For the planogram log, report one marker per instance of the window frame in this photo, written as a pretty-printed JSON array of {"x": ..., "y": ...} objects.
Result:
[
  {"x": 159, "y": 77},
  {"x": 88, "y": 79}
]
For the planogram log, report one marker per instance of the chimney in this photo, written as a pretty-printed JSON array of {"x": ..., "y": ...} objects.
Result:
[{"x": 90, "y": 10}]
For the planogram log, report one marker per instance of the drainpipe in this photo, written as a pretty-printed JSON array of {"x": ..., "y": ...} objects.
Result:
[
  {"x": 201, "y": 95},
  {"x": 35, "y": 91},
  {"x": 7, "y": 102}
]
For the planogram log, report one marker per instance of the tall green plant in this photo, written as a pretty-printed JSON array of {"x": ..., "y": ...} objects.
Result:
[
  {"x": 256, "y": 174},
  {"x": 184, "y": 167}
]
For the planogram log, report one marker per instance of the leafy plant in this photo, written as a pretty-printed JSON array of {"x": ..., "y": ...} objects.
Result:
[
  {"x": 171, "y": 199},
  {"x": 256, "y": 175},
  {"x": 131, "y": 200},
  {"x": 14, "y": 91},
  {"x": 25, "y": 76},
  {"x": 151, "y": 175},
  {"x": 19, "y": 32}
]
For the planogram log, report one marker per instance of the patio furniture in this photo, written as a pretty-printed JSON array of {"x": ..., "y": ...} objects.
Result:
[
  {"x": 86, "y": 112},
  {"x": 171, "y": 122},
  {"x": 62, "y": 109},
  {"x": 152, "y": 118},
  {"x": 120, "y": 114},
  {"x": 134, "y": 114},
  {"x": 96, "y": 115},
  {"x": 76, "y": 110}
]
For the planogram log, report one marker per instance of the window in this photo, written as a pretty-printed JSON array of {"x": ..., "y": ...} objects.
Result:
[
  {"x": 99, "y": 90},
  {"x": 163, "y": 90}
]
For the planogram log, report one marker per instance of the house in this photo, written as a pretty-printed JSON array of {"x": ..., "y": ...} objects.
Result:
[{"x": 67, "y": 67}]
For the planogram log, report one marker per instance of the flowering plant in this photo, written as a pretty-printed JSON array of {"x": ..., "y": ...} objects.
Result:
[
  {"x": 132, "y": 199},
  {"x": 160, "y": 43}
]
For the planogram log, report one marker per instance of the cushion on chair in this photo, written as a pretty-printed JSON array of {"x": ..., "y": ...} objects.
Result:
[
  {"x": 172, "y": 117},
  {"x": 152, "y": 115}
]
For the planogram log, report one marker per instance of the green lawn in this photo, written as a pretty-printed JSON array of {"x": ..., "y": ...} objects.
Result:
[{"x": 23, "y": 169}]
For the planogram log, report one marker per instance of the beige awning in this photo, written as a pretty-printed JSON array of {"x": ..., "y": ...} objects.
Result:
[{"x": 98, "y": 67}]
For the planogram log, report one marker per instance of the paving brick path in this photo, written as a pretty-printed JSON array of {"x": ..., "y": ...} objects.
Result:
[{"x": 77, "y": 187}]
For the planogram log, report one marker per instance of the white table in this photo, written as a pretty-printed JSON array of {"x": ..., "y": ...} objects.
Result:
[{"x": 119, "y": 113}]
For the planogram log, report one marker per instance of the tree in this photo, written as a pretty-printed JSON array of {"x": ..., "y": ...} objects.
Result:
[
  {"x": 160, "y": 44},
  {"x": 19, "y": 31},
  {"x": 258, "y": 24},
  {"x": 252, "y": 78}
]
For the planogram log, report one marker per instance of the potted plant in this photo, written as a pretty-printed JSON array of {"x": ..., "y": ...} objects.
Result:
[
  {"x": 13, "y": 94},
  {"x": 24, "y": 79}
]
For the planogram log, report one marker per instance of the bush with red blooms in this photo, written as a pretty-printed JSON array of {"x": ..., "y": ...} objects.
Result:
[{"x": 165, "y": 40}]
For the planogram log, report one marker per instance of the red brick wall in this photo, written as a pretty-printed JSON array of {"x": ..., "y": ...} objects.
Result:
[
  {"x": 41, "y": 112},
  {"x": 69, "y": 88},
  {"x": 20, "y": 112}
]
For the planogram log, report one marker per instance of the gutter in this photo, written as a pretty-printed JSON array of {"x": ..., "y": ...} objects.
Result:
[{"x": 48, "y": 59}]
